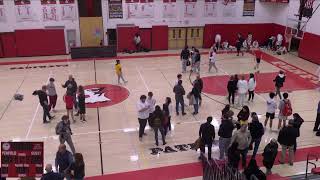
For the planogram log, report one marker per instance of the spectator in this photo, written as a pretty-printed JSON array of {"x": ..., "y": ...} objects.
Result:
[
  {"x": 179, "y": 77},
  {"x": 77, "y": 167},
  {"x": 143, "y": 115},
  {"x": 233, "y": 156},
  {"x": 68, "y": 99},
  {"x": 137, "y": 42},
  {"x": 207, "y": 135},
  {"x": 43, "y": 100},
  {"x": 243, "y": 138},
  {"x": 297, "y": 122},
  {"x": 158, "y": 122},
  {"x": 184, "y": 56},
  {"x": 198, "y": 83},
  {"x": 269, "y": 155},
  {"x": 179, "y": 93},
  {"x": 225, "y": 110},
  {"x": 64, "y": 131},
  {"x": 196, "y": 95},
  {"x": 271, "y": 109},
  {"x": 317, "y": 123},
  {"x": 239, "y": 44},
  {"x": 287, "y": 138},
  {"x": 217, "y": 41},
  {"x": 82, "y": 104},
  {"x": 279, "y": 80},
  {"x": 212, "y": 60},
  {"x": 242, "y": 90},
  {"x": 197, "y": 59},
  {"x": 63, "y": 161},
  {"x": 285, "y": 110},
  {"x": 50, "y": 175},
  {"x": 72, "y": 86},
  {"x": 232, "y": 88},
  {"x": 152, "y": 104},
  {"x": 52, "y": 93},
  {"x": 251, "y": 87},
  {"x": 253, "y": 170},
  {"x": 243, "y": 116},
  {"x": 225, "y": 133},
  {"x": 256, "y": 130},
  {"x": 167, "y": 110}
]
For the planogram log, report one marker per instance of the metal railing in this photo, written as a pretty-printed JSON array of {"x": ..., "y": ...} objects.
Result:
[{"x": 308, "y": 162}]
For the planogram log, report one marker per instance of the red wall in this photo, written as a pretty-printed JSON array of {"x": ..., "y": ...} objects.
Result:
[
  {"x": 309, "y": 48},
  {"x": 160, "y": 36},
  {"x": 39, "y": 42},
  {"x": 145, "y": 38},
  {"x": 9, "y": 45},
  {"x": 125, "y": 38}
]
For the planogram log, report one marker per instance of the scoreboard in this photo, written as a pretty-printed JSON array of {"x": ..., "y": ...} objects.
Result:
[{"x": 21, "y": 159}]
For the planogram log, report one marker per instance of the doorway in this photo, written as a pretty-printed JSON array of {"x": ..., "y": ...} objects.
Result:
[
  {"x": 294, "y": 46},
  {"x": 71, "y": 39}
]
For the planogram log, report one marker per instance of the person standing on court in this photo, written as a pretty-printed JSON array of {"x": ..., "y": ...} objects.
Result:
[
  {"x": 63, "y": 129},
  {"x": 279, "y": 80},
  {"x": 197, "y": 59},
  {"x": 119, "y": 73},
  {"x": 232, "y": 88},
  {"x": 256, "y": 130},
  {"x": 271, "y": 109},
  {"x": 152, "y": 104},
  {"x": 167, "y": 110},
  {"x": 143, "y": 115},
  {"x": 43, "y": 100},
  {"x": 82, "y": 104},
  {"x": 317, "y": 122},
  {"x": 242, "y": 86},
  {"x": 285, "y": 110},
  {"x": 212, "y": 60},
  {"x": 225, "y": 133},
  {"x": 251, "y": 87},
  {"x": 63, "y": 161},
  {"x": 184, "y": 56},
  {"x": 158, "y": 124},
  {"x": 198, "y": 83},
  {"x": 243, "y": 138},
  {"x": 52, "y": 93},
  {"x": 179, "y": 92},
  {"x": 207, "y": 135},
  {"x": 72, "y": 86},
  {"x": 239, "y": 44},
  {"x": 287, "y": 138},
  {"x": 77, "y": 169}
]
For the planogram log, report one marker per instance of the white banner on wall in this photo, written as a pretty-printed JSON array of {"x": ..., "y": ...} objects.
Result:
[
  {"x": 24, "y": 11},
  {"x": 68, "y": 10},
  {"x": 229, "y": 10},
  {"x": 169, "y": 10},
  {"x": 140, "y": 10},
  {"x": 49, "y": 12},
  {"x": 190, "y": 9},
  {"x": 210, "y": 9},
  {"x": 2, "y": 12}
]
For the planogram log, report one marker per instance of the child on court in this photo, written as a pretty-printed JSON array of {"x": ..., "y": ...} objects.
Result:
[
  {"x": 52, "y": 93},
  {"x": 258, "y": 56},
  {"x": 271, "y": 109},
  {"x": 212, "y": 60},
  {"x": 82, "y": 104},
  {"x": 119, "y": 71},
  {"x": 68, "y": 99}
]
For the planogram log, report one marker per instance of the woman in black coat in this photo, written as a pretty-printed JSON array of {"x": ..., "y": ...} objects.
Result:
[
  {"x": 232, "y": 88},
  {"x": 269, "y": 155},
  {"x": 233, "y": 156}
]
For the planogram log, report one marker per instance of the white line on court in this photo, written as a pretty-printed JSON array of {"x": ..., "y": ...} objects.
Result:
[
  {"x": 36, "y": 112},
  {"x": 141, "y": 77}
]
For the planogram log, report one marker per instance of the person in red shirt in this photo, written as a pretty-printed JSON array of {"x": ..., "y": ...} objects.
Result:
[
  {"x": 258, "y": 57},
  {"x": 68, "y": 99}
]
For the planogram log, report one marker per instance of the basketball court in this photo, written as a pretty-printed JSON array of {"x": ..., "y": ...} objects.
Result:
[{"x": 109, "y": 139}]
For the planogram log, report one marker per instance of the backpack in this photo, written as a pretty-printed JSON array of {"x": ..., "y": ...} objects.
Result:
[{"x": 287, "y": 109}]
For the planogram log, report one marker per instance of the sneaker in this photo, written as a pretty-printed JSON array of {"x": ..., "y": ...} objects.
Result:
[
  {"x": 290, "y": 164},
  {"x": 183, "y": 114},
  {"x": 177, "y": 113},
  {"x": 281, "y": 162},
  {"x": 51, "y": 117},
  {"x": 164, "y": 143},
  {"x": 77, "y": 114},
  {"x": 46, "y": 122}
]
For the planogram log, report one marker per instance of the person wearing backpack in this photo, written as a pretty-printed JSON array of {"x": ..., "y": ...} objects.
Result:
[
  {"x": 285, "y": 110},
  {"x": 158, "y": 124},
  {"x": 256, "y": 130},
  {"x": 64, "y": 131},
  {"x": 269, "y": 155}
]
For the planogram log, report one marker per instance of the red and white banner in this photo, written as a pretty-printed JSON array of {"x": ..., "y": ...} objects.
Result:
[
  {"x": 49, "y": 10},
  {"x": 2, "y": 12},
  {"x": 68, "y": 10},
  {"x": 210, "y": 8},
  {"x": 24, "y": 11},
  {"x": 141, "y": 9},
  {"x": 169, "y": 9},
  {"x": 190, "y": 8}
]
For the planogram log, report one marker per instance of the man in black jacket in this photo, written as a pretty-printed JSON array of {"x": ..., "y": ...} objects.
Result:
[
  {"x": 207, "y": 135},
  {"x": 72, "y": 86},
  {"x": 184, "y": 56},
  {"x": 50, "y": 175},
  {"x": 256, "y": 130},
  {"x": 63, "y": 161},
  {"x": 287, "y": 138},
  {"x": 198, "y": 83},
  {"x": 279, "y": 80},
  {"x": 43, "y": 100},
  {"x": 179, "y": 93},
  {"x": 225, "y": 133}
]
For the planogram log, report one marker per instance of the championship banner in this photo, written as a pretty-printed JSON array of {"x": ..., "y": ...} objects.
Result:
[
  {"x": 169, "y": 9},
  {"x": 229, "y": 8},
  {"x": 2, "y": 12},
  {"x": 249, "y": 7},
  {"x": 210, "y": 8},
  {"x": 190, "y": 8},
  {"x": 23, "y": 10},
  {"x": 68, "y": 10},
  {"x": 141, "y": 9},
  {"x": 115, "y": 9},
  {"x": 49, "y": 10},
  {"x": 21, "y": 159}
]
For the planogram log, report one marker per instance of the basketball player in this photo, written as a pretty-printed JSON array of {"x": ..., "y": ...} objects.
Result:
[{"x": 258, "y": 56}]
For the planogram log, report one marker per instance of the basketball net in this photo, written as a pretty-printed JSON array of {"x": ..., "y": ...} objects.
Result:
[{"x": 226, "y": 2}]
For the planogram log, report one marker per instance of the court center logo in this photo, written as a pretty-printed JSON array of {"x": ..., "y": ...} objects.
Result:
[{"x": 102, "y": 95}]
